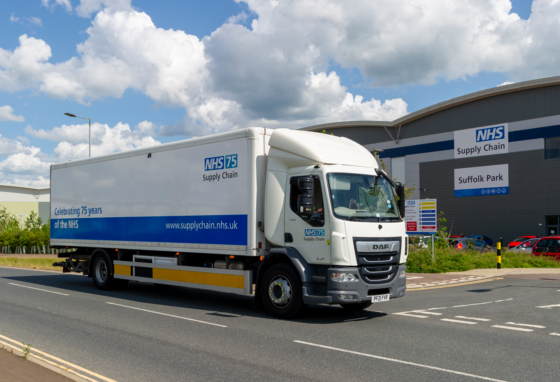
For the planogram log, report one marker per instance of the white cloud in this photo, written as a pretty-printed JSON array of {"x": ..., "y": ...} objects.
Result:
[
  {"x": 505, "y": 83},
  {"x": 13, "y": 18},
  {"x": 35, "y": 21},
  {"x": 87, "y": 7},
  {"x": 23, "y": 139},
  {"x": 10, "y": 147},
  {"x": 238, "y": 18},
  {"x": 7, "y": 114},
  {"x": 65, "y": 3}
]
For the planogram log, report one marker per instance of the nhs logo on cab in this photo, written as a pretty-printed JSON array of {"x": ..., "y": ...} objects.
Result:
[
  {"x": 314, "y": 232},
  {"x": 220, "y": 163},
  {"x": 490, "y": 133}
]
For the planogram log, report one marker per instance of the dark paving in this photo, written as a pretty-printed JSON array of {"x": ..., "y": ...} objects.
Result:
[
  {"x": 17, "y": 369},
  {"x": 132, "y": 345}
]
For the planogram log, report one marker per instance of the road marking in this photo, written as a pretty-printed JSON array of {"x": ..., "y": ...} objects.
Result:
[
  {"x": 474, "y": 318},
  {"x": 555, "y": 334},
  {"x": 426, "y": 312},
  {"x": 410, "y": 315},
  {"x": 459, "y": 321},
  {"x": 480, "y": 303},
  {"x": 548, "y": 306},
  {"x": 399, "y": 361},
  {"x": 510, "y": 328},
  {"x": 168, "y": 315},
  {"x": 414, "y": 277},
  {"x": 437, "y": 308},
  {"x": 507, "y": 299},
  {"x": 42, "y": 290},
  {"x": 530, "y": 326},
  {"x": 34, "y": 350}
]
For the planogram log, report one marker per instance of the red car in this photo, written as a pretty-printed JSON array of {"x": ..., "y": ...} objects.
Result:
[
  {"x": 520, "y": 240},
  {"x": 550, "y": 245}
]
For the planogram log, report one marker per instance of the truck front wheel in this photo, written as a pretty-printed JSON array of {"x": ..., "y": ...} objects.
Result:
[
  {"x": 102, "y": 277},
  {"x": 281, "y": 292}
]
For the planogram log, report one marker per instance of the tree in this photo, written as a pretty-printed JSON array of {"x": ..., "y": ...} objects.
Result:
[
  {"x": 33, "y": 221},
  {"x": 8, "y": 222}
]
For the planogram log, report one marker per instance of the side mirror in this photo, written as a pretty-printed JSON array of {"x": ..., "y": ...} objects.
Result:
[
  {"x": 305, "y": 184},
  {"x": 305, "y": 205},
  {"x": 400, "y": 194}
]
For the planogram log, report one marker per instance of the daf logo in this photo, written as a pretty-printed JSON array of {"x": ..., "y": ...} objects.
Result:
[{"x": 382, "y": 246}]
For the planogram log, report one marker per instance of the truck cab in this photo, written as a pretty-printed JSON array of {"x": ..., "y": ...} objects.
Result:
[{"x": 338, "y": 218}]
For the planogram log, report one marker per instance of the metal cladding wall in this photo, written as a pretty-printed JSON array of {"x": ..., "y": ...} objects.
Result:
[
  {"x": 534, "y": 187},
  {"x": 516, "y": 106}
]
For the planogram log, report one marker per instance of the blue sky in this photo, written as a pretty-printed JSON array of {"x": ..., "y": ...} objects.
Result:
[{"x": 153, "y": 72}]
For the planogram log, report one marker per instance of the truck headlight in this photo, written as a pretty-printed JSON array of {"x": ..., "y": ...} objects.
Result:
[
  {"x": 402, "y": 275},
  {"x": 344, "y": 277}
]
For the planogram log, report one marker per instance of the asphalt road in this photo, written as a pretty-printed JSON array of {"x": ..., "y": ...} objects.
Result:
[{"x": 507, "y": 330}]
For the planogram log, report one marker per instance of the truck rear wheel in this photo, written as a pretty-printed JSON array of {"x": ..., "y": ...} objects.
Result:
[
  {"x": 102, "y": 277},
  {"x": 357, "y": 307},
  {"x": 281, "y": 292}
]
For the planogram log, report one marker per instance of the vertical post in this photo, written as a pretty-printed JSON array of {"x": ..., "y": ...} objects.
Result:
[
  {"x": 499, "y": 246},
  {"x": 89, "y": 119},
  {"x": 432, "y": 248}
]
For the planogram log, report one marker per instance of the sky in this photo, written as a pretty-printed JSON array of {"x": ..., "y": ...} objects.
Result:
[{"x": 149, "y": 72}]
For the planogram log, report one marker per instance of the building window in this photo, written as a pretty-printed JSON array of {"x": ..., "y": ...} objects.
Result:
[
  {"x": 398, "y": 169},
  {"x": 552, "y": 148}
]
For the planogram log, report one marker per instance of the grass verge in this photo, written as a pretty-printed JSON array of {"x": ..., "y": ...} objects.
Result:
[
  {"x": 451, "y": 260},
  {"x": 28, "y": 263}
]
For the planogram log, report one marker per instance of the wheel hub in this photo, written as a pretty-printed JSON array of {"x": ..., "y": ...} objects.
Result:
[
  {"x": 280, "y": 291},
  {"x": 101, "y": 271}
]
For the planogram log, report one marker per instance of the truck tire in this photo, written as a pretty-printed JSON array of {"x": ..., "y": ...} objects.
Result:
[
  {"x": 281, "y": 292},
  {"x": 357, "y": 307},
  {"x": 102, "y": 277}
]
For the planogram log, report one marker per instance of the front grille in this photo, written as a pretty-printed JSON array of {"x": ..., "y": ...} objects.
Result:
[{"x": 377, "y": 267}]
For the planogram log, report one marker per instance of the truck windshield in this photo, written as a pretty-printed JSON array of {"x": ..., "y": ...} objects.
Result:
[{"x": 362, "y": 198}]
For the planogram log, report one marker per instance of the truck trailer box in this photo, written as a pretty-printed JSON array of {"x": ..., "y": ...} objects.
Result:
[{"x": 202, "y": 195}]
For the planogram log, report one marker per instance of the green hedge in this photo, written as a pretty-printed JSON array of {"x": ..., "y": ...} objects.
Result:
[
  {"x": 453, "y": 260},
  {"x": 33, "y": 232}
]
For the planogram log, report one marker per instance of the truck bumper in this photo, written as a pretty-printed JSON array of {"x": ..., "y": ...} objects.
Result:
[{"x": 360, "y": 291}]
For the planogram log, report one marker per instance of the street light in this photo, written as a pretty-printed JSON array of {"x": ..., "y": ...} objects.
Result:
[{"x": 89, "y": 119}]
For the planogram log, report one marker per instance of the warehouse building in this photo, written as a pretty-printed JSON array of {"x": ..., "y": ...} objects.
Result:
[
  {"x": 490, "y": 158},
  {"x": 20, "y": 201}
]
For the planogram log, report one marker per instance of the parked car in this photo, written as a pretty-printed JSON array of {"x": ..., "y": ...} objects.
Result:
[
  {"x": 485, "y": 239},
  {"x": 520, "y": 240},
  {"x": 548, "y": 246},
  {"x": 456, "y": 236},
  {"x": 469, "y": 242},
  {"x": 525, "y": 246}
]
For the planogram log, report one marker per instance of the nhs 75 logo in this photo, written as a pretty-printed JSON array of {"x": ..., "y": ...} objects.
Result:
[
  {"x": 314, "y": 232},
  {"x": 490, "y": 133},
  {"x": 220, "y": 163}
]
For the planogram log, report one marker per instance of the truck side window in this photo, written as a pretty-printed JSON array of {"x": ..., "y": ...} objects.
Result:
[{"x": 318, "y": 219}]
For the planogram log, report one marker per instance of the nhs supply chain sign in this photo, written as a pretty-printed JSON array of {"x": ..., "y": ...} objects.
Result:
[
  {"x": 481, "y": 141},
  {"x": 482, "y": 181},
  {"x": 421, "y": 216}
]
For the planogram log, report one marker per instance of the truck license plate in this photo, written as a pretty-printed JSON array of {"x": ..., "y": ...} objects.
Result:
[{"x": 380, "y": 298}]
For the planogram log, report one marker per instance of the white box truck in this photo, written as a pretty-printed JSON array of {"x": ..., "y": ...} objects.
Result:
[{"x": 291, "y": 217}]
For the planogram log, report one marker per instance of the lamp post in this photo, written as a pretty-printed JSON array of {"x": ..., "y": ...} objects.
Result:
[{"x": 89, "y": 120}]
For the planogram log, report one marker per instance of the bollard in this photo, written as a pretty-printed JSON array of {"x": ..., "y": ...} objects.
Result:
[{"x": 499, "y": 246}]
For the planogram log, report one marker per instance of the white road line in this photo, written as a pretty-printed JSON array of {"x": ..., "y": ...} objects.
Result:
[
  {"x": 400, "y": 361},
  {"x": 414, "y": 277},
  {"x": 548, "y": 306},
  {"x": 459, "y": 321},
  {"x": 437, "y": 308},
  {"x": 508, "y": 299},
  {"x": 410, "y": 315},
  {"x": 555, "y": 334},
  {"x": 530, "y": 326},
  {"x": 165, "y": 314},
  {"x": 426, "y": 312},
  {"x": 510, "y": 328},
  {"x": 474, "y": 318},
  {"x": 42, "y": 290},
  {"x": 480, "y": 303}
]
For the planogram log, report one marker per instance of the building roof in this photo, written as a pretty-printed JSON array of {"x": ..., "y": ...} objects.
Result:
[
  {"x": 443, "y": 105},
  {"x": 25, "y": 187}
]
